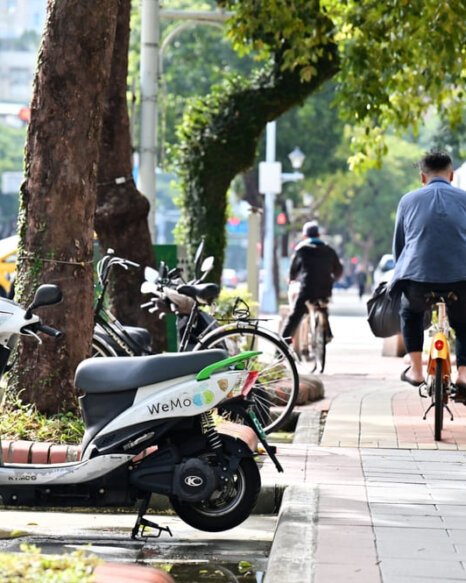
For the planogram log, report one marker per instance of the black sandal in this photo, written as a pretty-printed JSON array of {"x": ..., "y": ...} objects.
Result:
[{"x": 405, "y": 379}]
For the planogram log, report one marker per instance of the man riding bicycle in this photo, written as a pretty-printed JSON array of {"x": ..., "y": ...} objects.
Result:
[
  {"x": 429, "y": 247},
  {"x": 316, "y": 266}
]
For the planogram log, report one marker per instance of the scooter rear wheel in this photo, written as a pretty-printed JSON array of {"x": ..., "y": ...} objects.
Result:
[{"x": 227, "y": 506}]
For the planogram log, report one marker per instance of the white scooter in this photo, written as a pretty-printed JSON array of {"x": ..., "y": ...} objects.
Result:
[{"x": 162, "y": 404}]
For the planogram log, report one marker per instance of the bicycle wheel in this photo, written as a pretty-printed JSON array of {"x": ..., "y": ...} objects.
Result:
[
  {"x": 277, "y": 384},
  {"x": 319, "y": 341},
  {"x": 437, "y": 395},
  {"x": 304, "y": 345},
  {"x": 101, "y": 348}
]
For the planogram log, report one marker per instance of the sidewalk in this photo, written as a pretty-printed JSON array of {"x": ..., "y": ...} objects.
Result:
[{"x": 378, "y": 500}]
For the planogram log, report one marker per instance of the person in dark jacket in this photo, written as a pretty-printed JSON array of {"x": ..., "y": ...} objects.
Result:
[
  {"x": 316, "y": 266},
  {"x": 429, "y": 246}
]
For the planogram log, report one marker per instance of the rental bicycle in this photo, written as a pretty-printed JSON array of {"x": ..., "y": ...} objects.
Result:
[{"x": 439, "y": 386}]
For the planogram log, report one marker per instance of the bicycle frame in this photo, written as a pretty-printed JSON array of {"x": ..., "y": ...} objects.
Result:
[
  {"x": 107, "y": 327},
  {"x": 439, "y": 347}
]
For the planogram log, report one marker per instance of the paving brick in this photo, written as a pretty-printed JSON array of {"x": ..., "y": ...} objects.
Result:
[
  {"x": 238, "y": 431},
  {"x": 40, "y": 452},
  {"x": 6, "y": 446},
  {"x": 58, "y": 454},
  {"x": 19, "y": 452}
]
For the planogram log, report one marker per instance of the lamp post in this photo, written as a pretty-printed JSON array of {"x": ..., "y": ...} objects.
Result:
[{"x": 271, "y": 179}]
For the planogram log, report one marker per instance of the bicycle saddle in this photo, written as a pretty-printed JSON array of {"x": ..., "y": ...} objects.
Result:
[
  {"x": 204, "y": 293},
  {"x": 440, "y": 296}
]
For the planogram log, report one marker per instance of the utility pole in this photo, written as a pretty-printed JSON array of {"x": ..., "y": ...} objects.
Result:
[{"x": 150, "y": 39}]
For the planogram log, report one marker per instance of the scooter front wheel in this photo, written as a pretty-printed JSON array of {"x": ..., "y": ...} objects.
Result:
[{"x": 227, "y": 506}]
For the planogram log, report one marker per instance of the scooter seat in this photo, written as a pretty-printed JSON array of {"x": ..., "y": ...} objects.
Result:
[{"x": 121, "y": 373}]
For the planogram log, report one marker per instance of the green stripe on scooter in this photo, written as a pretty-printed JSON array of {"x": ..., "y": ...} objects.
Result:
[{"x": 208, "y": 370}]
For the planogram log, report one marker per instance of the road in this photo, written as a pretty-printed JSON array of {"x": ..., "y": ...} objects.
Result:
[{"x": 108, "y": 536}]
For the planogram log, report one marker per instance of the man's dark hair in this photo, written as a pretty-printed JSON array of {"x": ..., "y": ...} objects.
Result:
[{"x": 434, "y": 162}]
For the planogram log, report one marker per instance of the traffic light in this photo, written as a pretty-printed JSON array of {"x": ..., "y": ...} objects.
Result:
[{"x": 281, "y": 219}]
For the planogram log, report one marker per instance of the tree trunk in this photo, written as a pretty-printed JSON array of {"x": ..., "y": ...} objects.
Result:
[
  {"x": 59, "y": 193},
  {"x": 121, "y": 213}
]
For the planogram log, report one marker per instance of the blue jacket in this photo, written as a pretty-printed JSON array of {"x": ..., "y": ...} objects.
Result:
[{"x": 429, "y": 243}]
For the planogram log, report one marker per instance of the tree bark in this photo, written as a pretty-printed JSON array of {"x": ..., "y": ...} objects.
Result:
[
  {"x": 121, "y": 213},
  {"x": 59, "y": 193}
]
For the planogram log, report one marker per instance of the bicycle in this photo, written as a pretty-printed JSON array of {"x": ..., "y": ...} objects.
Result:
[
  {"x": 277, "y": 385},
  {"x": 313, "y": 334},
  {"x": 439, "y": 386},
  {"x": 111, "y": 338}
]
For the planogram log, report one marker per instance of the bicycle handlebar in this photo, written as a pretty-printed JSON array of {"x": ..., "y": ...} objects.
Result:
[
  {"x": 108, "y": 261},
  {"x": 49, "y": 331}
]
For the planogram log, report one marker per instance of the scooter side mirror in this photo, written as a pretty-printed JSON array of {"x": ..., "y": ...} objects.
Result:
[
  {"x": 46, "y": 295},
  {"x": 151, "y": 274}
]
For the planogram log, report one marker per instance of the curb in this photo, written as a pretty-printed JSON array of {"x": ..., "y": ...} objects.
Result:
[
  {"x": 307, "y": 430},
  {"x": 292, "y": 553},
  {"x": 31, "y": 452},
  {"x": 293, "y": 547}
]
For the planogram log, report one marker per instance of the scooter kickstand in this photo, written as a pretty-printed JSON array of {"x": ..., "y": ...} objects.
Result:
[{"x": 142, "y": 523}]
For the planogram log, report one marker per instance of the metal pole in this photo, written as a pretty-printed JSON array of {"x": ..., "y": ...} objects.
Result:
[
  {"x": 269, "y": 296},
  {"x": 253, "y": 263},
  {"x": 150, "y": 39}
]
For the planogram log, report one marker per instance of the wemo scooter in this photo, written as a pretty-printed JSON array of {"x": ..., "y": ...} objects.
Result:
[{"x": 160, "y": 405}]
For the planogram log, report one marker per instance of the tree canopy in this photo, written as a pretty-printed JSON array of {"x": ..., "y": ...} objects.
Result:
[
  {"x": 397, "y": 58},
  {"x": 392, "y": 63}
]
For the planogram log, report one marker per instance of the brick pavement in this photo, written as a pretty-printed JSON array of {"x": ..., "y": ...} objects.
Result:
[{"x": 387, "y": 502}]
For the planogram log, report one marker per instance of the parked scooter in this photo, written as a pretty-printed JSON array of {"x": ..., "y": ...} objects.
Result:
[{"x": 160, "y": 404}]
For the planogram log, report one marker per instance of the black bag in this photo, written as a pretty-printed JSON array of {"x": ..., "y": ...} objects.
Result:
[{"x": 383, "y": 312}]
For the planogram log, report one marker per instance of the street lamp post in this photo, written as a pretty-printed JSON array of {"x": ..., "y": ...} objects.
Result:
[{"x": 271, "y": 179}]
